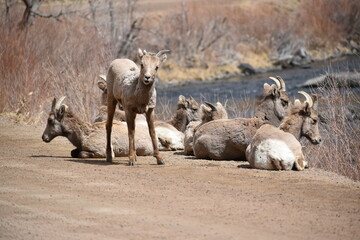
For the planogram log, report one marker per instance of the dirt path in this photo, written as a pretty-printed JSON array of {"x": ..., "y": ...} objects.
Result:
[{"x": 44, "y": 194}]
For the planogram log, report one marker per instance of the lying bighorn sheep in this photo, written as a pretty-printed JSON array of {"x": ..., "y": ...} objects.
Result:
[
  {"x": 101, "y": 116},
  {"x": 187, "y": 111},
  {"x": 208, "y": 112},
  {"x": 228, "y": 139},
  {"x": 89, "y": 139},
  {"x": 279, "y": 148},
  {"x": 134, "y": 89},
  {"x": 170, "y": 133}
]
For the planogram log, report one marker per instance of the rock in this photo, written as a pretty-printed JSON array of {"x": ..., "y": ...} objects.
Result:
[
  {"x": 247, "y": 69},
  {"x": 300, "y": 58},
  {"x": 339, "y": 80}
]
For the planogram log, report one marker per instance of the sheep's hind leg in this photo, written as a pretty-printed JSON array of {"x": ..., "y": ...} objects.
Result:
[
  {"x": 130, "y": 120},
  {"x": 276, "y": 163},
  {"x": 150, "y": 122},
  {"x": 85, "y": 154}
]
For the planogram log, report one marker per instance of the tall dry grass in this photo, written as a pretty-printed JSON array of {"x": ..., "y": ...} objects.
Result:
[
  {"x": 339, "y": 150},
  {"x": 50, "y": 60}
]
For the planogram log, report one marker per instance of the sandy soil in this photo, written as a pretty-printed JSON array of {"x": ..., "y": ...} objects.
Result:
[{"x": 45, "y": 194}]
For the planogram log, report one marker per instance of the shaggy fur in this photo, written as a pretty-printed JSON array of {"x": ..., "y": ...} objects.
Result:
[{"x": 228, "y": 139}]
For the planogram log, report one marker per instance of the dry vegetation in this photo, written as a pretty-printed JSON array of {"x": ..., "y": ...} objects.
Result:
[
  {"x": 52, "y": 58},
  {"x": 340, "y": 131}
]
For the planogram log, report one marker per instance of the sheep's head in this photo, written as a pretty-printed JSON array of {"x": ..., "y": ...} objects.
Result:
[
  {"x": 53, "y": 127},
  {"x": 274, "y": 100},
  {"x": 210, "y": 112},
  {"x": 103, "y": 87},
  {"x": 150, "y": 63},
  {"x": 308, "y": 111},
  {"x": 190, "y": 106}
]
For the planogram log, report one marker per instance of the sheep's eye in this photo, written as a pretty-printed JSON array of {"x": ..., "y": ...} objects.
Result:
[
  {"x": 314, "y": 121},
  {"x": 156, "y": 68},
  {"x": 284, "y": 103},
  {"x": 142, "y": 65}
]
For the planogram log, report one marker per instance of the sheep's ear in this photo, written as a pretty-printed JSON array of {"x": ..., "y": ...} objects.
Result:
[
  {"x": 61, "y": 111},
  {"x": 102, "y": 85},
  {"x": 103, "y": 77},
  {"x": 163, "y": 58},
  {"x": 307, "y": 109},
  {"x": 53, "y": 105},
  {"x": 315, "y": 101},
  {"x": 140, "y": 53},
  {"x": 182, "y": 98},
  {"x": 275, "y": 91},
  {"x": 297, "y": 103},
  {"x": 266, "y": 86}
]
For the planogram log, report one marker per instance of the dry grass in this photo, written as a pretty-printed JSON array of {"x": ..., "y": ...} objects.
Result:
[
  {"x": 339, "y": 150},
  {"x": 47, "y": 61}
]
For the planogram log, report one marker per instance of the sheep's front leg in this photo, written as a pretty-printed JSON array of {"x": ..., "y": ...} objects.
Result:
[
  {"x": 150, "y": 122},
  {"x": 130, "y": 120}
]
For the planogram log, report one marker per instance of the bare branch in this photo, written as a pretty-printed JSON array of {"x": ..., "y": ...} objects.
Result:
[{"x": 57, "y": 16}]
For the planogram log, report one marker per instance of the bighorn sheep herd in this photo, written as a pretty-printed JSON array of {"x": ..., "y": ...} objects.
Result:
[{"x": 268, "y": 140}]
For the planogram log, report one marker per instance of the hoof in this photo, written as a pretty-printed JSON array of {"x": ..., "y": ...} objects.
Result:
[
  {"x": 109, "y": 159},
  {"x": 131, "y": 163},
  {"x": 160, "y": 162},
  {"x": 75, "y": 153}
]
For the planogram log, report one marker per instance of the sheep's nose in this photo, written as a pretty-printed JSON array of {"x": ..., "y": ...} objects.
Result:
[
  {"x": 147, "y": 77},
  {"x": 45, "y": 138}
]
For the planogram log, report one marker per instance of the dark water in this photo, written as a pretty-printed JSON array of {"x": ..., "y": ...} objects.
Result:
[{"x": 245, "y": 87}]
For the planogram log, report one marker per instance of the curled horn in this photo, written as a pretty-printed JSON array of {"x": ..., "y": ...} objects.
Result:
[
  {"x": 59, "y": 103},
  {"x": 282, "y": 83},
  {"x": 278, "y": 84},
  {"x": 162, "y": 52},
  {"x": 213, "y": 108},
  {"x": 308, "y": 98}
]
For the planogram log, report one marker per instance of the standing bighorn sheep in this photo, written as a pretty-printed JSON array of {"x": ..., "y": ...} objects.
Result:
[
  {"x": 134, "y": 90},
  {"x": 279, "y": 148},
  {"x": 208, "y": 112},
  {"x": 89, "y": 139},
  {"x": 169, "y": 138},
  {"x": 228, "y": 139},
  {"x": 119, "y": 114}
]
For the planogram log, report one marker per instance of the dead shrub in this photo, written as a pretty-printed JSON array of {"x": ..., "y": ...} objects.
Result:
[{"x": 339, "y": 150}]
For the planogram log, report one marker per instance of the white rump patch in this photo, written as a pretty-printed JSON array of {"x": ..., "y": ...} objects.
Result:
[{"x": 270, "y": 150}]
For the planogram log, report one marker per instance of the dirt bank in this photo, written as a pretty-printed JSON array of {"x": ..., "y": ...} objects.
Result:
[{"x": 45, "y": 194}]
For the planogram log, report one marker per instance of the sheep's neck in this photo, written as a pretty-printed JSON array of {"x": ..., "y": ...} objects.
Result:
[
  {"x": 266, "y": 118},
  {"x": 266, "y": 114},
  {"x": 292, "y": 125},
  {"x": 75, "y": 129},
  {"x": 179, "y": 121}
]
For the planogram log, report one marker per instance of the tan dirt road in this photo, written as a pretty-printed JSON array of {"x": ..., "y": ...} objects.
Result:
[{"x": 45, "y": 194}]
